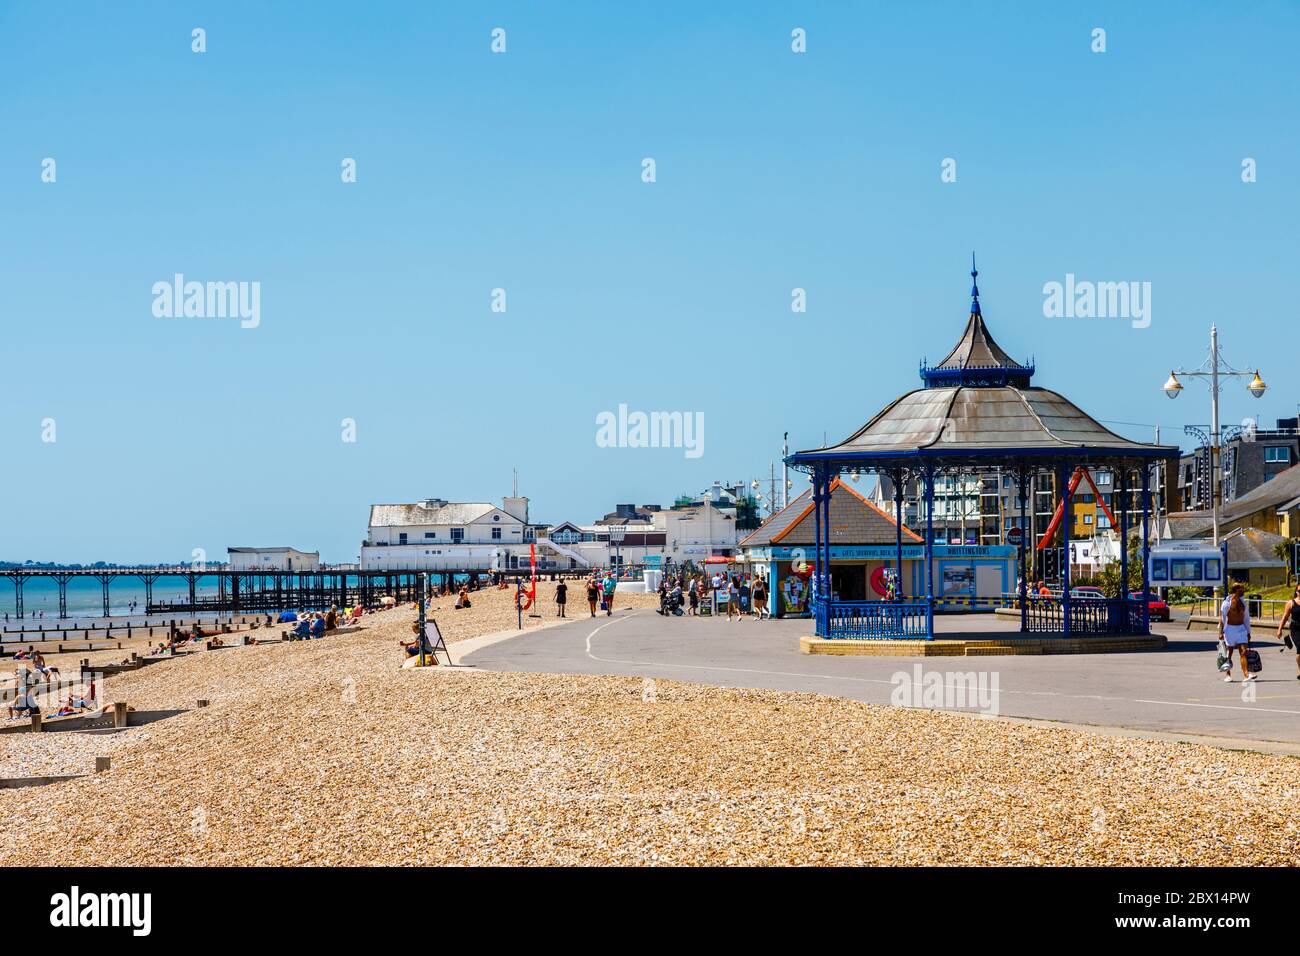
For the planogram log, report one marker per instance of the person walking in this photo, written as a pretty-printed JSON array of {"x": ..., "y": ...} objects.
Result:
[
  {"x": 561, "y": 598},
  {"x": 1291, "y": 615},
  {"x": 593, "y": 594},
  {"x": 611, "y": 584},
  {"x": 727, "y": 594},
  {"x": 760, "y": 598},
  {"x": 693, "y": 595},
  {"x": 1234, "y": 630}
]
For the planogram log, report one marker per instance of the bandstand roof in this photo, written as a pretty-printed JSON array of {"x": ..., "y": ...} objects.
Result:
[{"x": 977, "y": 404}]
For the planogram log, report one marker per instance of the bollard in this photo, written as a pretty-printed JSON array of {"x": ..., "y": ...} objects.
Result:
[
  {"x": 36, "y": 722},
  {"x": 202, "y": 702},
  {"x": 102, "y": 764},
  {"x": 119, "y": 714},
  {"x": 60, "y": 650}
]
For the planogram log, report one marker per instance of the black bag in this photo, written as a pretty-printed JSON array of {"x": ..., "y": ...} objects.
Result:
[{"x": 1253, "y": 663}]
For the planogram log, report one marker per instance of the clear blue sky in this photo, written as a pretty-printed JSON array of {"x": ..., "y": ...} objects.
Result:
[{"x": 522, "y": 171}]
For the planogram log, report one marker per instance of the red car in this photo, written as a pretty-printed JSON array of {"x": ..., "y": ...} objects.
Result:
[{"x": 1157, "y": 609}]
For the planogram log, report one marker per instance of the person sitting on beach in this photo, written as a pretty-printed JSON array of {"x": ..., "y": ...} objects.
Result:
[
  {"x": 216, "y": 642},
  {"x": 413, "y": 647},
  {"x": 318, "y": 625},
  {"x": 46, "y": 671},
  {"x": 462, "y": 599},
  {"x": 302, "y": 630},
  {"x": 332, "y": 619},
  {"x": 24, "y": 704},
  {"x": 65, "y": 709},
  {"x": 22, "y": 655}
]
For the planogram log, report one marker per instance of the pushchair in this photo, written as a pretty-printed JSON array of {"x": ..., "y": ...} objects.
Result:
[{"x": 670, "y": 602}]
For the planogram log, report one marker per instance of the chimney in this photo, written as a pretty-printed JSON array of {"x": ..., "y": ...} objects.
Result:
[{"x": 516, "y": 508}]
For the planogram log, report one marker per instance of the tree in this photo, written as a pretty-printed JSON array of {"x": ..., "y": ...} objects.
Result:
[
  {"x": 1109, "y": 579},
  {"x": 1285, "y": 549}
]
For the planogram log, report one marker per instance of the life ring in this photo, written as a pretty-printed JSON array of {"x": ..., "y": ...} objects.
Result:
[
  {"x": 878, "y": 582},
  {"x": 523, "y": 600}
]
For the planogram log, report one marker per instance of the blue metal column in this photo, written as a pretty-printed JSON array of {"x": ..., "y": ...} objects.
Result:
[
  {"x": 898, "y": 530},
  {"x": 816, "y": 596},
  {"x": 826, "y": 531},
  {"x": 1124, "y": 504},
  {"x": 1022, "y": 490},
  {"x": 1146, "y": 549},
  {"x": 1067, "y": 519},
  {"x": 929, "y": 554}
]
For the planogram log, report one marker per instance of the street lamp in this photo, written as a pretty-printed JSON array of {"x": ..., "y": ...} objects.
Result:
[
  {"x": 1213, "y": 368},
  {"x": 617, "y": 533}
]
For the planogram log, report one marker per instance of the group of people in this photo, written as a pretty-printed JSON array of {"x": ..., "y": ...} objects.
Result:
[
  {"x": 27, "y": 693},
  {"x": 315, "y": 624},
  {"x": 47, "y": 671},
  {"x": 600, "y": 590},
  {"x": 724, "y": 590},
  {"x": 1234, "y": 633}
]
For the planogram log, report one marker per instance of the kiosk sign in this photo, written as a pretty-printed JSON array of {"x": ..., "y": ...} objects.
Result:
[{"x": 1186, "y": 564}]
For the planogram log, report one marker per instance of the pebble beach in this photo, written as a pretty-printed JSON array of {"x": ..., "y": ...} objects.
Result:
[{"x": 327, "y": 753}]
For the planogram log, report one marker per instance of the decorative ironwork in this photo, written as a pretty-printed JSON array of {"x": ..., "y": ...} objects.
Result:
[{"x": 875, "y": 620}]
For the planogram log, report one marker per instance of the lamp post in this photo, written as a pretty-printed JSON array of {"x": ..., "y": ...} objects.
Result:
[
  {"x": 1214, "y": 368},
  {"x": 617, "y": 533}
]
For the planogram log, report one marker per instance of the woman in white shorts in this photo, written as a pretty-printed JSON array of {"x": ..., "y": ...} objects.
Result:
[{"x": 1234, "y": 629}]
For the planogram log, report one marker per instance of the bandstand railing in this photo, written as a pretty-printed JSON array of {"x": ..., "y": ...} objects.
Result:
[
  {"x": 1087, "y": 616},
  {"x": 872, "y": 620}
]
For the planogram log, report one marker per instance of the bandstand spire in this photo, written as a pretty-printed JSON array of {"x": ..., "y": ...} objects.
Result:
[{"x": 976, "y": 359}]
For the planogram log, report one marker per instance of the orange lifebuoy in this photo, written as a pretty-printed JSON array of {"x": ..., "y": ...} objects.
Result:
[{"x": 523, "y": 600}]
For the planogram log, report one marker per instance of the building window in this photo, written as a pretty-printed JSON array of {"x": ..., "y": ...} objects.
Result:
[
  {"x": 1087, "y": 519},
  {"x": 1277, "y": 454},
  {"x": 401, "y": 537},
  {"x": 431, "y": 534},
  {"x": 457, "y": 535},
  {"x": 496, "y": 534}
]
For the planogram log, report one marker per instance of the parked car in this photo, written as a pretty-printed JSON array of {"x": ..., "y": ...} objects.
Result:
[
  {"x": 1088, "y": 593},
  {"x": 1157, "y": 609}
]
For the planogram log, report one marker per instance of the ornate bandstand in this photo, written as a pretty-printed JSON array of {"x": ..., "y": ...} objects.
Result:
[{"x": 978, "y": 411}]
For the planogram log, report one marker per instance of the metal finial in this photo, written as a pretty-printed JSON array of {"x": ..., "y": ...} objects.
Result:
[{"x": 974, "y": 287}]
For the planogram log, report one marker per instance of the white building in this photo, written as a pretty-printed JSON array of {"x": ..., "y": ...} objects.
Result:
[
  {"x": 273, "y": 559},
  {"x": 699, "y": 531},
  {"x": 438, "y": 535}
]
